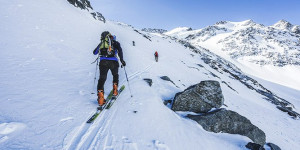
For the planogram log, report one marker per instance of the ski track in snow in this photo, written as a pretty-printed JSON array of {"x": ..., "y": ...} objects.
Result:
[
  {"x": 96, "y": 135},
  {"x": 86, "y": 132}
]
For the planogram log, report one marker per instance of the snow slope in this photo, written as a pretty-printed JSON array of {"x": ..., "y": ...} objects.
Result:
[{"x": 46, "y": 79}]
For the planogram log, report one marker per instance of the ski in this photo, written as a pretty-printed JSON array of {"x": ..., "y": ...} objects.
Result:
[
  {"x": 110, "y": 98},
  {"x": 114, "y": 98}
]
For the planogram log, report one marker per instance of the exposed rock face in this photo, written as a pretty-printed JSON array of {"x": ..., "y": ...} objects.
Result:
[
  {"x": 227, "y": 121},
  {"x": 198, "y": 98},
  {"x": 98, "y": 16},
  {"x": 83, "y": 4}
]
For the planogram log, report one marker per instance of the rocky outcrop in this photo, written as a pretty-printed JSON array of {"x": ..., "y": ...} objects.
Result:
[
  {"x": 227, "y": 121},
  {"x": 198, "y": 98},
  {"x": 98, "y": 16},
  {"x": 207, "y": 95},
  {"x": 83, "y": 4}
]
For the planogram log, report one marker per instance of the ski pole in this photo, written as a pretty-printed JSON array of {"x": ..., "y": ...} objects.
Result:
[
  {"x": 95, "y": 74},
  {"x": 127, "y": 81}
]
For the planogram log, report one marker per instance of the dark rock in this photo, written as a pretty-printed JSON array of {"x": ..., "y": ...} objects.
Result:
[
  {"x": 289, "y": 110},
  {"x": 166, "y": 102},
  {"x": 198, "y": 98},
  {"x": 254, "y": 146},
  {"x": 98, "y": 16},
  {"x": 83, "y": 4},
  {"x": 145, "y": 36},
  {"x": 149, "y": 81},
  {"x": 166, "y": 78},
  {"x": 273, "y": 146},
  {"x": 228, "y": 121}
]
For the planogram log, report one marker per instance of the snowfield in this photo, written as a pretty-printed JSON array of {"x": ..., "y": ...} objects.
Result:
[{"x": 46, "y": 80}]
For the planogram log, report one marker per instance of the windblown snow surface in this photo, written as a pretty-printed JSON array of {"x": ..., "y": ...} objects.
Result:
[{"x": 46, "y": 80}]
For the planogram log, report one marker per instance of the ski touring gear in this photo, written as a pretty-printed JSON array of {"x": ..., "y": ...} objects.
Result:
[
  {"x": 127, "y": 81},
  {"x": 115, "y": 89},
  {"x": 107, "y": 61},
  {"x": 117, "y": 50},
  {"x": 110, "y": 101},
  {"x": 95, "y": 76},
  {"x": 106, "y": 48},
  {"x": 101, "y": 100}
]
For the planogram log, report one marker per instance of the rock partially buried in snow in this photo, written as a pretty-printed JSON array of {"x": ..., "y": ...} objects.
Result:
[
  {"x": 166, "y": 78},
  {"x": 198, "y": 98},
  {"x": 254, "y": 146},
  {"x": 227, "y": 121},
  {"x": 273, "y": 146},
  {"x": 149, "y": 81}
]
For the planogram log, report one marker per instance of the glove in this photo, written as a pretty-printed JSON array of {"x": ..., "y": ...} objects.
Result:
[{"x": 123, "y": 63}]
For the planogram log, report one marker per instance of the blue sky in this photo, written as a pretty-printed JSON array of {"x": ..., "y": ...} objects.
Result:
[{"x": 169, "y": 14}]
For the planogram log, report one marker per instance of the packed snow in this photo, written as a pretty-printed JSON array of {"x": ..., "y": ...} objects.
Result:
[{"x": 47, "y": 78}]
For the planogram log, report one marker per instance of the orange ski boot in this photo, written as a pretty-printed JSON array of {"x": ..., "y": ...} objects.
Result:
[
  {"x": 115, "y": 89},
  {"x": 101, "y": 100}
]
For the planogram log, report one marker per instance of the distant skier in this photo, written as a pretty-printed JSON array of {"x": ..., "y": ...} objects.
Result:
[
  {"x": 133, "y": 43},
  {"x": 156, "y": 56},
  {"x": 108, "y": 49}
]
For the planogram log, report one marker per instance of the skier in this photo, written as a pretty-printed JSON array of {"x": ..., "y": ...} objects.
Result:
[
  {"x": 156, "y": 56},
  {"x": 108, "y": 49},
  {"x": 133, "y": 43}
]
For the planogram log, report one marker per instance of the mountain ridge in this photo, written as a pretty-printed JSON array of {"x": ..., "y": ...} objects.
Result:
[{"x": 277, "y": 45}]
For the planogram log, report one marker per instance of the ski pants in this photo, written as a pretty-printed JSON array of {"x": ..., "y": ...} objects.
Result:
[{"x": 104, "y": 66}]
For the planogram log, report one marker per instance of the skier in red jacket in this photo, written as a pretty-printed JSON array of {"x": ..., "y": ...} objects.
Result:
[{"x": 156, "y": 56}]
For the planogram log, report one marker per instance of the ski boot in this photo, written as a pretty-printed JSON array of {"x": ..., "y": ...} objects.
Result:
[
  {"x": 101, "y": 100},
  {"x": 115, "y": 89}
]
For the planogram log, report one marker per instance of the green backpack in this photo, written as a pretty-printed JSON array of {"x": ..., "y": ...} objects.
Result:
[{"x": 106, "y": 46}]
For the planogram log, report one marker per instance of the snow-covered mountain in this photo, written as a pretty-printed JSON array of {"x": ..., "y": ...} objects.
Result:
[
  {"x": 278, "y": 44},
  {"x": 252, "y": 44},
  {"x": 151, "y": 30},
  {"x": 46, "y": 80}
]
